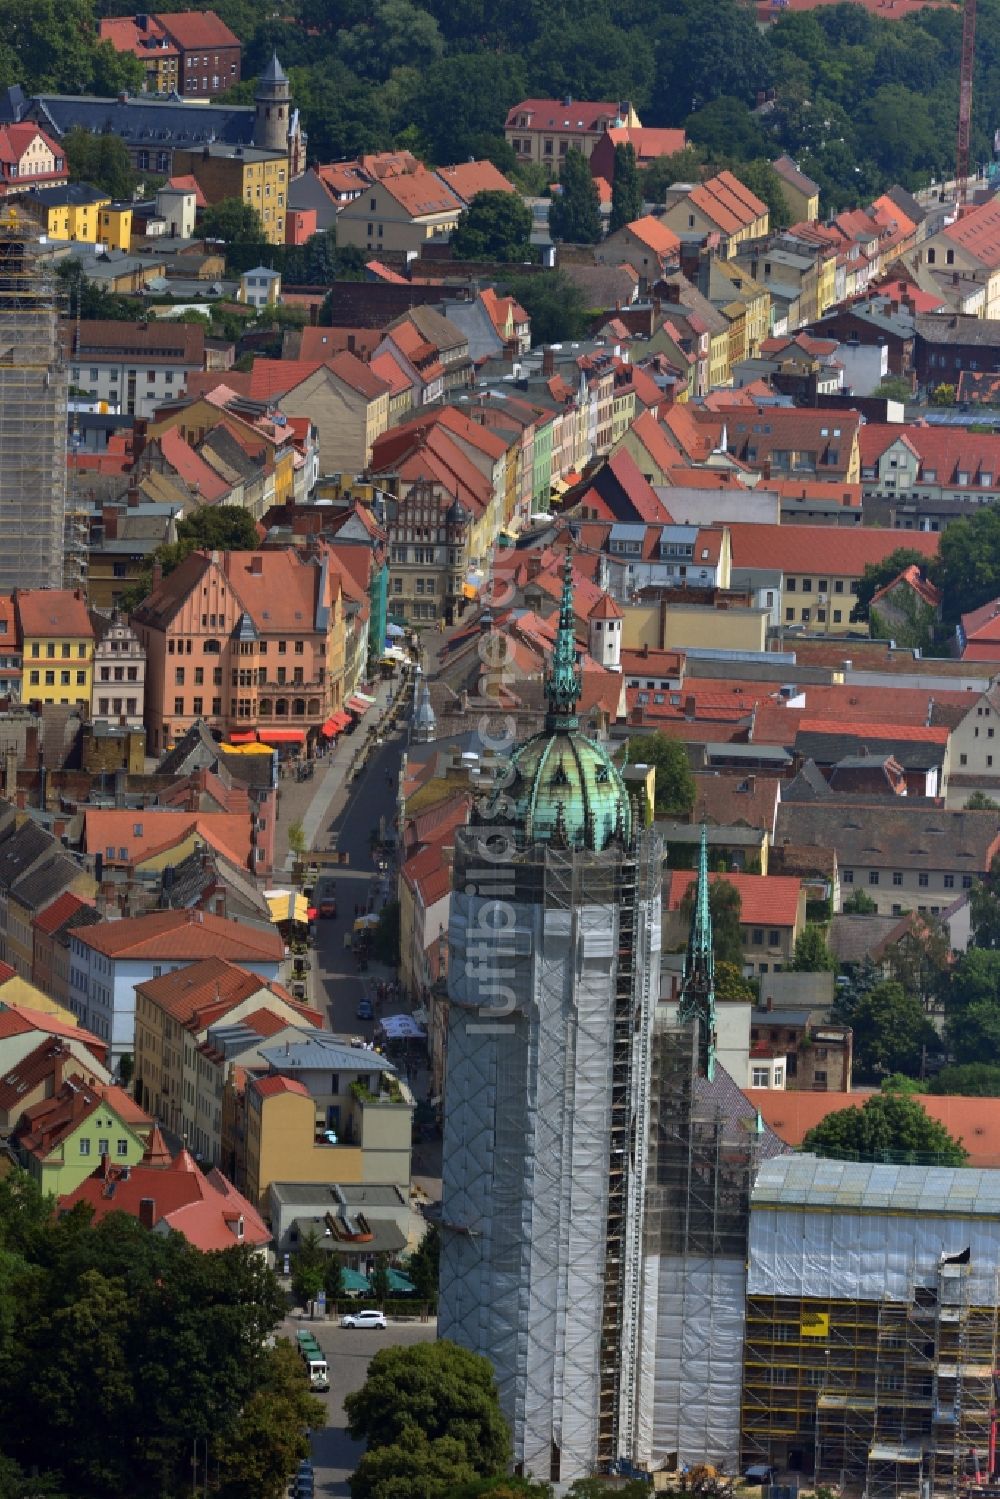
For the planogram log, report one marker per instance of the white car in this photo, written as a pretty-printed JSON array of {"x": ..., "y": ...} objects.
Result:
[{"x": 364, "y": 1319}]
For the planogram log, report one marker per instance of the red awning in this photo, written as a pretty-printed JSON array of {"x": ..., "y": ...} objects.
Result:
[
  {"x": 330, "y": 728},
  {"x": 250, "y": 737},
  {"x": 342, "y": 720},
  {"x": 357, "y": 705},
  {"x": 312, "y": 913},
  {"x": 282, "y": 736}
]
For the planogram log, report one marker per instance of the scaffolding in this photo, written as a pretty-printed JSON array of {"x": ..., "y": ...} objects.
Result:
[
  {"x": 545, "y": 1138},
  {"x": 33, "y": 414},
  {"x": 895, "y": 1398}
]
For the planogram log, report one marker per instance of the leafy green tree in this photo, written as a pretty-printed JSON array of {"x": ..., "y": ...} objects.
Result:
[
  {"x": 269, "y": 1436},
  {"x": 725, "y": 906},
  {"x": 725, "y": 126},
  {"x": 967, "y": 568},
  {"x": 15, "y": 1483},
  {"x": 333, "y": 1278},
  {"x": 891, "y": 1031},
  {"x": 385, "y": 942},
  {"x": 308, "y": 1269},
  {"x": 811, "y": 952},
  {"x": 102, "y": 160},
  {"x": 972, "y": 1006},
  {"x": 586, "y": 56},
  {"x": 457, "y": 100},
  {"x": 414, "y": 1466},
  {"x": 980, "y": 802},
  {"x": 675, "y": 789},
  {"x": 297, "y": 839},
  {"x": 495, "y": 226},
  {"x": 379, "y": 1280},
  {"x": 575, "y": 213},
  {"x": 395, "y": 34},
  {"x": 555, "y": 305},
  {"x": 731, "y": 985},
  {"x": 707, "y": 50},
  {"x": 894, "y": 388},
  {"x": 877, "y": 574},
  {"x": 968, "y": 1079},
  {"x": 890, "y": 1127},
  {"x": 232, "y": 221},
  {"x": 436, "y": 1391},
  {"x": 423, "y": 1266},
  {"x": 626, "y": 189},
  {"x": 661, "y": 174},
  {"x": 860, "y": 903},
  {"x": 944, "y": 395}
]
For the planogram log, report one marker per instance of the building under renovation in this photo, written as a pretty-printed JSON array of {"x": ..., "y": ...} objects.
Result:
[
  {"x": 553, "y": 980},
  {"x": 33, "y": 413},
  {"x": 871, "y": 1340}
]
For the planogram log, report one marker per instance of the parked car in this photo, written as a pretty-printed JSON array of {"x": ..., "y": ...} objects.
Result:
[
  {"x": 328, "y": 907},
  {"x": 365, "y": 1010},
  {"x": 364, "y": 1319}
]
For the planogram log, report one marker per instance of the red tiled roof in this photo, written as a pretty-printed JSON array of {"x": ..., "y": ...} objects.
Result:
[
  {"x": 839, "y": 551},
  {"x": 58, "y": 612},
  {"x": 59, "y": 912},
  {"x": 191, "y": 467},
  {"x": 921, "y": 586},
  {"x": 15, "y": 140},
  {"x": 725, "y": 201},
  {"x": 906, "y": 733},
  {"x": 655, "y": 234},
  {"x": 648, "y": 143},
  {"x": 207, "y": 1210},
  {"x": 145, "y": 833},
  {"x": 183, "y": 935},
  {"x": 191, "y": 29},
  {"x": 606, "y": 608},
  {"x": 189, "y": 184},
  {"x": 17, "y": 1020},
  {"x": 274, "y": 1084},
  {"x": 982, "y": 625},
  {"x": 579, "y": 116},
  {"x": 471, "y": 177},
  {"x": 421, "y": 192},
  {"x": 44, "y": 1126},
  {"x": 765, "y": 899},
  {"x": 974, "y": 1121},
  {"x": 388, "y": 369},
  {"x": 199, "y": 995},
  {"x": 978, "y": 233},
  {"x": 322, "y": 343}
]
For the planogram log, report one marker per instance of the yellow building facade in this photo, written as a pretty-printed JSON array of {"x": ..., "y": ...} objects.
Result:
[{"x": 57, "y": 646}]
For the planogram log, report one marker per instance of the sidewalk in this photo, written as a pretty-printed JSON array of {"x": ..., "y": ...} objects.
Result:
[{"x": 315, "y": 803}]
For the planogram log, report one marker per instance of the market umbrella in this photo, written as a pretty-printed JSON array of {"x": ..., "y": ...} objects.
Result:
[
  {"x": 400, "y": 1284},
  {"x": 402, "y": 1028},
  {"x": 393, "y": 632},
  {"x": 353, "y": 1280}
]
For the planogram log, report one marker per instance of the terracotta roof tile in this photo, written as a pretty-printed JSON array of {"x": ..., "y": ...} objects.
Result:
[
  {"x": 183, "y": 935},
  {"x": 841, "y": 551},
  {"x": 765, "y": 900}
]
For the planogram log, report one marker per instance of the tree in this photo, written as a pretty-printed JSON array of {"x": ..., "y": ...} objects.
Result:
[
  {"x": 726, "y": 907},
  {"x": 682, "y": 166},
  {"x": 413, "y": 1466},
  {"x": 726, "y": 127},
  {"x": 626, "y": 190},
  {"x": 101, "y": 160},
  {"x": 921, "y": 959},
  {"x": 811, "y": 952},
  {"x": 944, "y": 395},
  {"x": 435, "y": 1391},
  {"x": 126, "y": 1069},
  {"x": 967, "y": 567},
  {"x": 877, "y": 574},
  {"x": 308, "y": 1269},
  {"x": 980, "y": 802},
  {"x": 675, "y": 789},
  {"x": 731, "y": 986},
  {"x": 972, "y": 1006},
  {"x": 495, "y": 226},
  {"x": 891, "y": 1031},
  {"x": 269, "y": 1437},
  {"x": 890, "y": 1127},
  {"x": 894, "y": 388},
  {"x": 457, "y": 100},
  {"x": 575, "y": 212},
  {"x": 233, "y": 221},
  {"x": 860, "y": 903},
  {"x": 969, "y": 1079},
  {"x": 554, "y": 304},
  {"x": 379, "y": 1280},
  {"x": 423, "y": 1266},
  {"x": 333, "y": 1278},
  {"x": 984, "y": 906},
  {"x": 385, "y": 940},
  {"x": 297, "y": 839}
]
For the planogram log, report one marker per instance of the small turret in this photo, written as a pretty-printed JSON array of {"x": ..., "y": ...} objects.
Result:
[{"x": 273, "y": 107}]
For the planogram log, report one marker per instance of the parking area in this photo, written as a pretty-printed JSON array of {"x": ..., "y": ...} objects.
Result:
[{"x": 348, "y": 1352}]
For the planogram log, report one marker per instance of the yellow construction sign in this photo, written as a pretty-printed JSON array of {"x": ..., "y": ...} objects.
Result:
[{"x": 814, "y": 1325}]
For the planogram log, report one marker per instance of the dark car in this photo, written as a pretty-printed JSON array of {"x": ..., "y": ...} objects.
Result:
[
  {"x": 328, "y": 907},
  {"x": 760, "y": 1473},
  {"x": 365, "y": 1010}
]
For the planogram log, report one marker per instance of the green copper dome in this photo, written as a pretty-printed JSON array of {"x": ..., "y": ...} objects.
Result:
[{"x": 560, "y": 786}]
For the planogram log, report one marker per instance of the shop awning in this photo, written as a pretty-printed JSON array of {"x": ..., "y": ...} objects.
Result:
[
  {"x": 331, "y": 727},
  {"x": 282, "y": 736},
  {"x": 353, "y": 1280},
  {"x": 357, "y": 703},
  {"x": 286, "y": 905},
  {"x": 249, "y": 737},
  {"x": 254, "y": 748},
  {"x": 400, "y": 1284}
]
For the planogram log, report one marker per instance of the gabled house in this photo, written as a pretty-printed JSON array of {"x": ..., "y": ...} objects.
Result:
[
  {"x": 59, "y": 1139},
  {"x": 648, "y": 244},
  {"x": 721, "y": 206}
]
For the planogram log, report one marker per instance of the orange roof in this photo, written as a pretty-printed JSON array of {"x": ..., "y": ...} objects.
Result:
[
  {"x": 196, "y": 28},
  {"x": 321, "y": 343},
  {"x": 189, "y": 184},
  {"x": 55, "y": 915},
  {"x": 907, "y": 733},
  {"x": 974, "y": 1121},
  {"x": 131, "y": 837},
  {"x": 125, "y": 35},
  {"x": 422, "y": 192},
  {"x": 648, "y": 143},
  {"x": 388, "y": 369},
  {"x": 606, "y": 608},
  {"x": 725, "y": 201},
  {"x": 207, "y": 1210},
  {"x": 199, "y": 995},
  {"x": 472, "y": 177},
  {"x": 16, "y": 139},
  {"x": 978, "y": 233},
  {"x": 191, "y": 467},
  {"x": 573, "y": 116},
  {"x": 842, "y": 552},
  {"x": 921, "y": 586},
  {"x": 186, "y": 935},
  {"x": 655, "y": 234},
  {"x": 61, "y": 612},
  {"x": 274, "y": 1084},
  {"x": 765, "y": 899}
]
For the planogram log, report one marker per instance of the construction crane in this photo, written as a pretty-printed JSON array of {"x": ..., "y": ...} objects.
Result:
[{"x": 965, "y": 103}]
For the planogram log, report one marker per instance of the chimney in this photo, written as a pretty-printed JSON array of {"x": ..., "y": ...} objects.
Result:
[
  {"x": 157, "y": 574},
  {"x": 256, "y": 565},
  {"x": 220, "y": 905},
  {"x": 147, "y": 1211},
  {"x": 57, "y": 1070},
  {"x": 548, "y": 361}
]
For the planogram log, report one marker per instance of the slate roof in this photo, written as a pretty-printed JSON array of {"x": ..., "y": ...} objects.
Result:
[
  {"x": 144, "y": 121},
  {"x": 871, "y": 835},
  {"x": 21, "y": 851},
  {"x": 852, "y": 938},
  {"x": 40, "y": 886},
  {"x": 831, "y": 747}
]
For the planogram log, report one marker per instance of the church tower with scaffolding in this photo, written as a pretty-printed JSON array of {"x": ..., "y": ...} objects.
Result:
[{"x": 553, "y": 983}]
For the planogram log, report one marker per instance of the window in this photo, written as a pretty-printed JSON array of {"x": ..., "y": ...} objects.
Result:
[
  {"x": 84, "y": 1147},
  {"x": 789, "y": 615},
  {"x": 790, "y": 585},
  {"x": 897, "y": 877},
  {"x": 759, "y": 1077},
  {"x": 103, "y": 1147},
  {"x": 774, "y": 937},
  {"x": 178, "y": 676},
  {"x": 179, "y": 706},
  {"x": 779, "y": 1077},
  {"x": 757, "y": 937},
  {"x": 121, "y": 1148},
  {"x": 873, "y": 876},
  {"x": 848, "y": 876},
  {"x": 923, "y": 880}
]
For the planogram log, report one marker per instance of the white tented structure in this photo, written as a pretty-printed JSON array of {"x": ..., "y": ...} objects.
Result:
[{"x": 553, "y": 980}]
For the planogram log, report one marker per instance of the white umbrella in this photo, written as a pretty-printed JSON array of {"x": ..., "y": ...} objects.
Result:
[
  {"x": 394, "y": 631},
  {"x": 402, "y": 1028}
]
